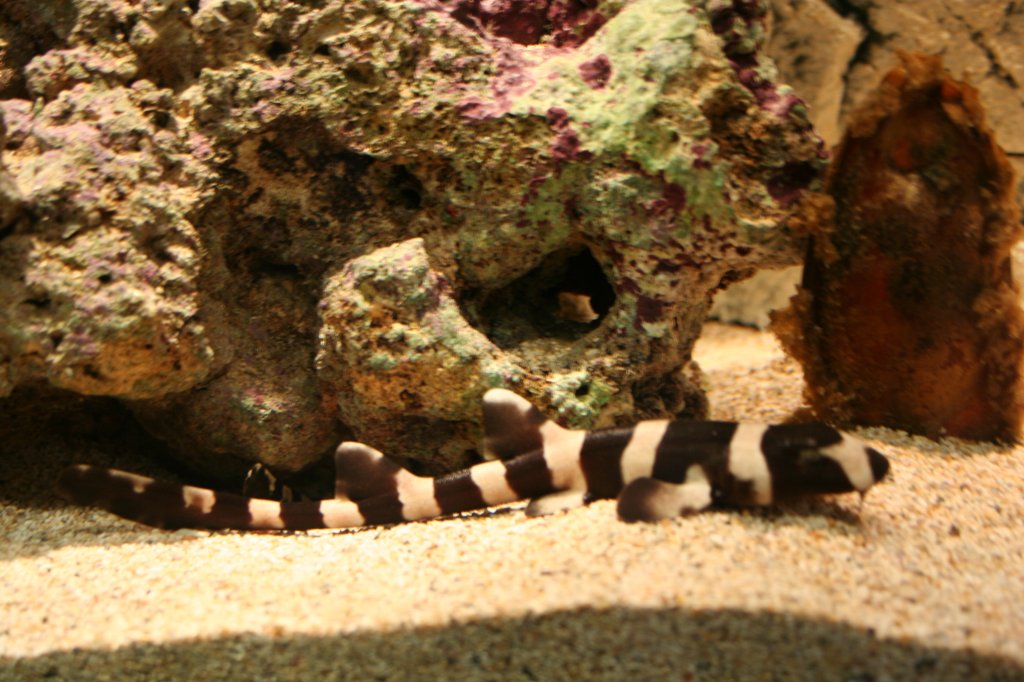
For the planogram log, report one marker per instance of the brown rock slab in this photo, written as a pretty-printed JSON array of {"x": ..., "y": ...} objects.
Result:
[{"x": 908, "y": 315}]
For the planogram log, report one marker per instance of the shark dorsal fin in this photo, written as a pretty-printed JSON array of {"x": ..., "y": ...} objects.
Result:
[
  {"x": 512, "y": 426},
  {"x": 361, "y": 472}
]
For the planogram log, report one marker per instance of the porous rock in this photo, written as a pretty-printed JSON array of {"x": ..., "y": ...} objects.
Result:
[
  {"x": 399, "y": 353},
  {"x": 812, "y": 45},
  {"x": 202, "y": 197}
]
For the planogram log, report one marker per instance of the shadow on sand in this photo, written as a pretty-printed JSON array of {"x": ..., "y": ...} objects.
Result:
[{"x": 614, "y": 644}]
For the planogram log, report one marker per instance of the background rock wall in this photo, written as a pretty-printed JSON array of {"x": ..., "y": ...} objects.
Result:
[{"x": 833, "y": 52}]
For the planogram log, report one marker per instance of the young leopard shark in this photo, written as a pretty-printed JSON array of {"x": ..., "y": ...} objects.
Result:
[{"x": 657, "y": 469}]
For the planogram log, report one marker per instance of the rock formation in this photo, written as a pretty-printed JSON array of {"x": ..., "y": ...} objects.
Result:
[{"x": 264, "y": 225}]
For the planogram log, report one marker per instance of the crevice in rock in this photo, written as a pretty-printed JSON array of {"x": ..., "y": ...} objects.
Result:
[
  {"x": 277, "y": 49},
  {"x": 665, "y": 394},
  {"x": 294, "y": 187},
  {"x": 406, "y": 189},
  {"x": 872, "y": 37},
  {"x": 996, "y": 68}
]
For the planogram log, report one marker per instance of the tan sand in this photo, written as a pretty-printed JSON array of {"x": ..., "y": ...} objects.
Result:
[{"x": 925, "y": 581}]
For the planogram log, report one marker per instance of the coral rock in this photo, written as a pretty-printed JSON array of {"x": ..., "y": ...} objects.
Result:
[
  {"x": 404, "y": 363},
  {"x": 191, "y": 179}
]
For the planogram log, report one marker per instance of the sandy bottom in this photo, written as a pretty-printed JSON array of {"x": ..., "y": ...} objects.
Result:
[{"x": 924, "y": 581}]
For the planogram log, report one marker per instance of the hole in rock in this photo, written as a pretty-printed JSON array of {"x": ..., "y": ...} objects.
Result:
[
  {"x": 277, "y": 49},
  {"x": 562, "y": 299},
  {"x": 406, "y": 188},
  {"x": 40, "y": 302}
]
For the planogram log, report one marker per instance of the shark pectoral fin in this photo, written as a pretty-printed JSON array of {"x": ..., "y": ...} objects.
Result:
[
  {"x": 555, "y": 502},
  {"x": 648, "y": 499}
]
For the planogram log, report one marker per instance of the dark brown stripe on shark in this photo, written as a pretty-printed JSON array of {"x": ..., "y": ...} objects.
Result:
[
  {"x": 457, "y": 492},
  {"x": 228, "y": 511},
  {"x": 159, "y": 505},
  {"x": 783, "y": 437},
  {"x": 634, "y": 504},
  {"x": 528, "y": 475},
  {"x": 382, "y": 509},
  {"x": 84, "y": 485},
  {"x": 790, "y": 452},
  {"x": 510, "y": 432},
  {"x": 301, "y": 515},
  {"x": 601, "y": 461},
  {"x": 686, "y": 443}
]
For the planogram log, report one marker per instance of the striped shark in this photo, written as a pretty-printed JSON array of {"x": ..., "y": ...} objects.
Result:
[{"x": 656, "y": 469}]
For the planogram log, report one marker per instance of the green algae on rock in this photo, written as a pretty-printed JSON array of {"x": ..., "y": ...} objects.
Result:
[
  {"x": 243, "y": 162},
  {"x": 402, "y": 359}
]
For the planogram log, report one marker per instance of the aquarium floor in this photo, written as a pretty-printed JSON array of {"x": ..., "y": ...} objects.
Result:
[{"x": 924, "y": 580}]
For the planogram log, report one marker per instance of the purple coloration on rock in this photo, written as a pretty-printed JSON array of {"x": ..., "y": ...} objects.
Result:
[
  {"x": 751, "y": 71},
  {"x": 762, "y": 89},
  {"x": 673, "y": 199},
  {"x": 725, "y": 22},
  {"x": 512, "y": 78},
  {"x": 597, "y": 71},
  {"x": 782, "y": 105},
  {"x": 566, "y": 147},
  {"x": 700, "y": 160},
  {"x": 476, "y": 109},
  {"x": 558, "y": 118},
  {"x": 649, "y": 309},
  {"x": 750, "y": 12},
  {"x": 767, "y": 93},
  {"x": 567, "y": 23}
]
